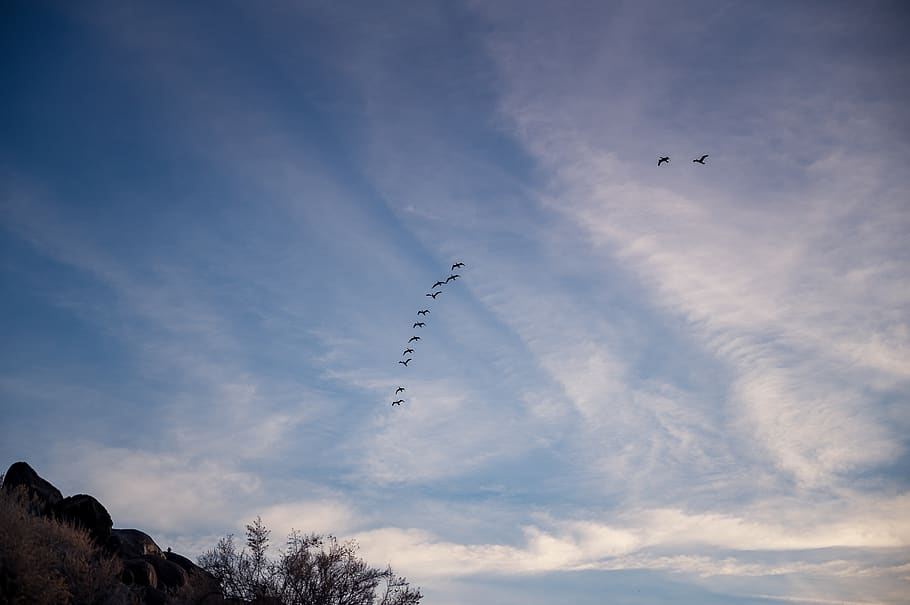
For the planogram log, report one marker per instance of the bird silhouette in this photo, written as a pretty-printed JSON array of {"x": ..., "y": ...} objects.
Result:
[
  {"x": 399, "y": 390},
  {"x": 437, "y": 284},
  {"x": 457, "y": 266},
  {"x": 701, "y": 160},
  {"x": 452, "y": 277},
  {"x": 663, "y": 159},
  {"x": 434, "y": 294},
  {"x": 406, "y": 351},
  {"x": 423, "y": 312},
  {"x": 405, "y": 362},
  {"x": 413, "y": 338},
  {"x": 418, "y": 324},
  {"x": 398, "y": 402}
]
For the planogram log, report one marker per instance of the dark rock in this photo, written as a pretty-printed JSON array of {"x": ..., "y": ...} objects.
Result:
[
  {"x": 132, "y": 544},
  {"x": 170, "y": 575},
  {"x": 155, "y": 596},
  {"x": 182, "y": 561},
  {"x": 86, "y": 512},
  {"x": 140, "y": 572},
  {"x": 201, "y": 583},
  {"x": 43, "y": 493}
]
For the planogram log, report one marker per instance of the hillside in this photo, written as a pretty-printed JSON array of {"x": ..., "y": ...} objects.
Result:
[{"x": 56, "y": 550}]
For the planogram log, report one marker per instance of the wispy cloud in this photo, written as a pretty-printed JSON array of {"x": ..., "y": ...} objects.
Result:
[
  {"x": 694, "y": 372},
  {"x": 763, "y": 292},
  {"x": 643, "y": 539}
]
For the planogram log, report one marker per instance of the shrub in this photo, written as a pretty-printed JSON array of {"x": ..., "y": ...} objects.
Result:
[
  {"x": 44, "y": 561},
  {"x": 311, "y": 570}
]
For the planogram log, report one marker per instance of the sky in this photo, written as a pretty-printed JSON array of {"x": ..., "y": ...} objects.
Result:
[{"x": 676, "y": 384}]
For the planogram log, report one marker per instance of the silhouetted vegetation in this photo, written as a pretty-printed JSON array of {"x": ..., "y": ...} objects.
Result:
[
  {"x": 310, "y": 570},
  {"x": 46, "y": 561},
  {"x": 63, "y": 551}
]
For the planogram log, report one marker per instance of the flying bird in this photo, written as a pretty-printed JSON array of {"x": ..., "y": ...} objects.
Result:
[
  {"x": 406, "y": 351},
  {"x": 418, "y": 324},
  {"x": 457, "y": 266},
  {"x": 437, "y": 284},
  {"x": 434, "y": 294},
  {"x": 399, "y": 390},
  {"x": 452, "y": 277},
  {"x": 665, "y": 158},
  {"x": 413, "y": 338},
  {"x": 701, "y": 160},
  {"x": 423, "y": 312},
  {"x": 399, "y": 402},
  {"x": 405, "y": 362}
]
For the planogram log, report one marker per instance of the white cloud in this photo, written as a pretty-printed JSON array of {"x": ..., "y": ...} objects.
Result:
[
  {"x": 809, "y": 317},
  {"x": 153, "y": 491},
  {"x": 810, "y": 600},
  {"x": 444, "y": 430},
  {"x": 637, "y": 541},
  {"x": 325, "y": 516}
]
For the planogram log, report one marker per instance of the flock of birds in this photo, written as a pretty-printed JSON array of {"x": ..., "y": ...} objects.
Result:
[
  {"x": 666, "y": 158},
  {"x": 435, "y": 291}
]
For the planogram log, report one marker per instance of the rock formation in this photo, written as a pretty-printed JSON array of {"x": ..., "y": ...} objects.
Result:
[
  {"x": 44, "y": 496},
  {"x": 153, "y": 576}
]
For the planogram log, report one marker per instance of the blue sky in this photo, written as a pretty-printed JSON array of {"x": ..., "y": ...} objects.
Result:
[{"x": 685, "y": 384}]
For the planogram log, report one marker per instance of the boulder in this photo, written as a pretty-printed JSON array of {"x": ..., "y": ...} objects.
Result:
[
  {"x": 139, "y": 572},
  {"x": 132, "y": 544},
  {"x": 85, "y": 511},
  {"x": 44, "y": 495},
  {"x": 201, "y": 584},
  {"x": 155, "y": 596},
  {"x": 170, "y": 575},
  {"x": 182, "y": 561}
]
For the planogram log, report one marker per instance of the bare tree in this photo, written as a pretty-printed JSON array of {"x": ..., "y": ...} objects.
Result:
[{"x": 311, "y": 570}]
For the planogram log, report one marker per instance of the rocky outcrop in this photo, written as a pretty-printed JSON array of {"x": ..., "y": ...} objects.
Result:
[
  {"x": 170, "y": 575},
  {"x": 44, "y": 496},
  {"x": 139, "y": 572},
  {"x": 132, "y": 544},
  {"x": 153, "y": 577},
  {"x": 84, "y": 511}
]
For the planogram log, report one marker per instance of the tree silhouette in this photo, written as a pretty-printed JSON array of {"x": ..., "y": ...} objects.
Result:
[{"x": 311, "y": 570}]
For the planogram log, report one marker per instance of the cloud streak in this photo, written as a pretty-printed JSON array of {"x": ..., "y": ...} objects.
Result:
[{"x": 695, "y": 375}]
